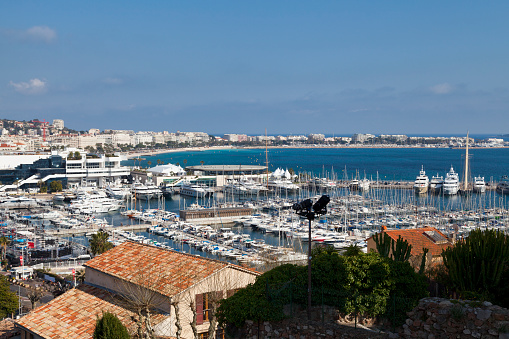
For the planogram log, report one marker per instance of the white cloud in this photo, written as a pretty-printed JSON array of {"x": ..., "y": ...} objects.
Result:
[
  {"x": 442, "y": 88},
  {"x": 113, "y": 81},
  {"x": 33, "y": 86},
  {"x": 35, "y": 34}
]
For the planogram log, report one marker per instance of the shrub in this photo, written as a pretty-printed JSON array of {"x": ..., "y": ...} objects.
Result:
[{"x": 109, "y": 327}]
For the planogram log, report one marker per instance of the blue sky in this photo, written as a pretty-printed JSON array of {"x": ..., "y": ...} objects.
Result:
[{"x": 427, "y": 67}]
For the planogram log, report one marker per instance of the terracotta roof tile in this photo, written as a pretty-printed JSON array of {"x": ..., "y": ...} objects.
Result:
[
  {"x": 425, "y": 237},
  {"x": 74, "y": 314},
  {"x": 171, "y": 272}
]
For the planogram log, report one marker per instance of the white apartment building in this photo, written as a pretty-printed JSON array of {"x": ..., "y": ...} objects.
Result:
[{"x": 58, "y": 124}]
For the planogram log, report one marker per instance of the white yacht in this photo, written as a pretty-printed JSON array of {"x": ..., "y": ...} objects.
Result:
[
  {"x": 364, "y": 185},
  {"x": 94, "y": 202},
  {"x": 421, "y": 184},
  {"x": 145, "y": 192},
  {"x": 195, "y": 190},
  {"x": 282, "y": 185},
  {"x": 234, "y": 187},
  {"x": 354, "y": 185},
  {"x": 118, "y": 192},
  {"x": 479, "y": 184},
  {"x": 436, "y": 183},
  {"x": 503, "y": 185},
  {"x": 451, "y": 183}
]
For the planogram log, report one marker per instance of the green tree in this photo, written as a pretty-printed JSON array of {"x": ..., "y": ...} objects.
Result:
[
  {"x": 8, "y": 299},
  {"x": 55, "y": 186},
  {"x": 44, "y": 189},
  {"x": 99, "y": 243},
  {"x": 110, "y": 327},
  {"x": 4, "y": 242}
]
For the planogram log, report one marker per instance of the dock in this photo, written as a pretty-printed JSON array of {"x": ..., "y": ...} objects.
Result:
[{"x": 63, "y": 232}]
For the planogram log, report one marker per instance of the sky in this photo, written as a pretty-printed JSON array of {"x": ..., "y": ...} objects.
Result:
[{"x": 291, "y": 67}]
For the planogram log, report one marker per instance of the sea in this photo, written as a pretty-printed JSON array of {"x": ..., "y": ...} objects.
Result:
[{"x": 398, "y": 164}]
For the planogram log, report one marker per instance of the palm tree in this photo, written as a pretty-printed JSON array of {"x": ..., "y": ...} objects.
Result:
[
  {"x": 4, "y": 242},
  {"x": 99, "y": 243},
  {"x": 149, "y": 163}
]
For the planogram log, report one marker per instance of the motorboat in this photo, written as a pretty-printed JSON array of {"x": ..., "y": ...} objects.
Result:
[
  {"x": 436, "y": 183},
  {"x": 421, "y": 184},
  {"x": 145, "y": 192},
  {"x": 282, "y": 185},
  {"x": 195, "y": 190},
  {"x": 451, "y": 183},
  {"x": 479, "y": 184},
  {"x": 117, "y": 192},
  {"x": 503, "y": 185},
  {"x": 364, "y": 185}
]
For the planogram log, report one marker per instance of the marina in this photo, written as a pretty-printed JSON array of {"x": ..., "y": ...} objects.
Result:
[{"x": 249, "y": 218}]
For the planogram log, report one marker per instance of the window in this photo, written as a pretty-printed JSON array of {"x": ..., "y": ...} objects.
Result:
[
  {"x": 208, "y": 308},
  {"x": 205, "y": 305}
]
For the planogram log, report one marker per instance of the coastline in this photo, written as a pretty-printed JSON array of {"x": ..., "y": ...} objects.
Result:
[{"x": 132, "y": 155}]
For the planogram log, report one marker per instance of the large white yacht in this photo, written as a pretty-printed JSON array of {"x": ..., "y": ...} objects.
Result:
[
  {"x": 436, "y": 183},
  {"x": 421, "y": 184},
  {"x": 479, "y": 184},
  {"x": 94, "y": 202},
  {"x": 281, "y": 184},
  {"x": 451, "y": 183},
  {"x": 503, "y": 185},
  {"x": 145, "y": 192},
  {"x": 364, "y": 185},
  {"x": 195, "y": 190}
]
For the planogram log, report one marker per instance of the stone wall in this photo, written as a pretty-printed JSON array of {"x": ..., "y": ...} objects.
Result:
[{"x": 444, "y": 318}]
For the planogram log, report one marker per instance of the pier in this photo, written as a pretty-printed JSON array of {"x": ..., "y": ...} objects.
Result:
[{"x": 62, "y": 232}]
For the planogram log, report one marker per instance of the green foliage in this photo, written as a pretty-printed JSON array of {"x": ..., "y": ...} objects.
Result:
[
  {"x": 44, "y": 189},
  {"x": 408, "y": 287},
  {"x": 55, "y": 186},
  {"x": 477, "y": 263},
  {"x": 423, "y": 260},
  {"x": 110, "y": 327},
  {"x": 356, "y": 283},
  {"x": 99, "y": 243},
  {"x": 8, "y": 299},
  {"x": 383, "y": 244},
  {"x": 401, "y": 249},
  {"x": 352, "y": 250},
  {"x": 253, "y": 302}
]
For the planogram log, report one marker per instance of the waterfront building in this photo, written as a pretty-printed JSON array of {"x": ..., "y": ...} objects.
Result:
[{"x": 72, "y": 169}]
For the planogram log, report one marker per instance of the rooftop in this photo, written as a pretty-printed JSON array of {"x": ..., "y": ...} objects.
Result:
[
  {"x": 170, "y": 272},
  {"x": 74, "y": 314},
  {"x": 419, "y": 238}
]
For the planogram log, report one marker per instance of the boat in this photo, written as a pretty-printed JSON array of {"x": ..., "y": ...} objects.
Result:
[
  {"x": 451, "y": 183},
  {"x": 195, "y": 190},
  {"x": 354, "y": 185},
  {"x": 503, "y": 185},
  {"x": 479, "y": 184},
  {"x": 146, "y": 192},
  {"x": 117, "y": 192},
  {"x": 421, "y": 184},
  {"x": 436, "y": 183},
  {"x": 364, "y": 185}
]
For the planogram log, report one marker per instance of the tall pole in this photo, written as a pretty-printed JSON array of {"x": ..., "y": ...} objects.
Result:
[{"x": 309, "y": 269}]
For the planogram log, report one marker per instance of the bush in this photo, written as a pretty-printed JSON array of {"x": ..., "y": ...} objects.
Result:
[{"x": 109, "y": 327}]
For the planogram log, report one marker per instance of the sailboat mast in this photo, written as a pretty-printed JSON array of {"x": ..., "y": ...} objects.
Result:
[
  {"x": 266, "y": 160},
  {"x": 466, "y": 166}
]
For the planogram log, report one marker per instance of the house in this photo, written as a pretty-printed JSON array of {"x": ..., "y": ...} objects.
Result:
[
  {"x": 420, "y": 238},
  {"x": 164, "y": 286}
]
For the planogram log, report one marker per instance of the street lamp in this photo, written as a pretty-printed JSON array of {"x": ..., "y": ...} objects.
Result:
[{"x": 309, "y": 210}]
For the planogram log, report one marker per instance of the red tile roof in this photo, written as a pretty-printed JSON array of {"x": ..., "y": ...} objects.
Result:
[
  {"x": 74, "y": 314},
  {"x": 170, "y": 272},
  {"x": 419, "y": 238}
]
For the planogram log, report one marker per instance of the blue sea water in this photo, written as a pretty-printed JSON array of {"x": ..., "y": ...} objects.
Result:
[{"x": 387, "y": 163}]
